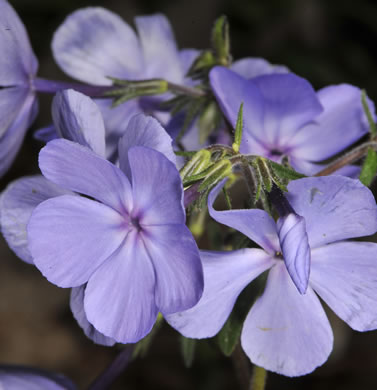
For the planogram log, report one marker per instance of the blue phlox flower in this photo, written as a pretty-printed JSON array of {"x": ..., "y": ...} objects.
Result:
[
  {"x": 284, "y": 117},
  {"x": 128, "y": 244},
  {"x": 286, "y": 331}
]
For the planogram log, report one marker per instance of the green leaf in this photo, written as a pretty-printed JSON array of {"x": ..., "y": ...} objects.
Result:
[
  {"x": 188, "y": 347},
  {"x": 207, "y": 121},
  {"x": 372, "y": 125},
  {"x": 238, "y": 130},
  {"x": 369, "y": 169}
]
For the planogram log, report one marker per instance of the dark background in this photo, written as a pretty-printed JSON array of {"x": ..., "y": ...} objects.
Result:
[{"x": 328, "y": 42}]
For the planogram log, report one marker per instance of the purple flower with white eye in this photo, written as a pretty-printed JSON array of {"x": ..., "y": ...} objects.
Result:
[
  {"x": 286, "y": 330},
  {"x": 18, "y": 67},
  {"x": 129, "y": 243},
  {"x": 284, "y": 117},
  {"x": 94, "y": 43}
]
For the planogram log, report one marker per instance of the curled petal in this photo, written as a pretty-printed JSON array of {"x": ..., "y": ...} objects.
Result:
[
  {"x": 295, "y": 249},
  {"x": 254, "y": 67}
]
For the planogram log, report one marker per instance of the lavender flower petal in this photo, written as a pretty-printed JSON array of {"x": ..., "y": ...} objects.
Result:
[
  {"x": 77, "y": 307},
  {"x": 286, "y": 332},
  {"x": 78, "y": 118},
  {"x": 75, "y": 47},
  {"x": 344, "y": 275},
  {"x": 175, "y": 257},
  {"x": 121, "y": 305},
  {"x": 160, "y": 51},
  {"x": 21, "y": 377},
  {"x": 226, "y": 274},
  {"x": 255, "y": 224},
  {"x": 79, "y": 169},
  {"x": 144, "y": 131},
  {"x": 18, "y": 201},
  {"x": 17, "y": 61},
  {"x": 295, "y": 249},
  {"x": 71, "y": 236},
  {"x": 334, "y": 207},
  {"x": 342, "y": 122},
  {"x": 156, "y": 187},
  {"x": 289, "y": 103},
  {"x": 251, "y": 67},
  {"x": 46, "y": 134},
  {"x": 11, "y": 141},
  {"x": 11, "y": 103}
]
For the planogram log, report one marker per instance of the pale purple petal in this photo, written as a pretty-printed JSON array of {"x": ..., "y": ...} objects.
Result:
[
  {"x": 342, "y": 122},
  {"x": 144, "y": 131},
  {"x": 289, "y": 103},
  {"x": 226, "y": 274},
  {"x": 286, "y": 332},
  {"x": 175, "y": 257},
  {"x": 116, "y": 121},
  {"x": 345, "y": 276},
  {"x": 255, "y": 224},
  {"x": 77, "y": 307},
  {"x": 79, "y": 169},
  {"x": 46, "y": 134},
  {"x": 11, "y": 141},
  {"x": 14, "y": 377},
  {"x": 17, "y": 61},
  {"x": 334, "y": 207},
  {"x": 119, "y": 297},
  {"x": 78, "y": 118},
  {"x": 295, "y": 249},
  {"x": 71, "y": 236},
  {"x": 77, "y": 41},
  {"x": 156, "y": 187},
  {"x": 231, "y": 90},
  {"x": 160, "y": 51},
  {"x": 11, "y": 103},
  {"x": 18, "y": 201},
  {"x": 252, "y": 67}
]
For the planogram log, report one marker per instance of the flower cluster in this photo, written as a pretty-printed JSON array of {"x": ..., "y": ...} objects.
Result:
[{"x": 107, "y": 217}]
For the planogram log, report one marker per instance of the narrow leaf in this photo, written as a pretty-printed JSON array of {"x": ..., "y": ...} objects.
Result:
[
  {"x": 372, "y": 124},
  {"x": 238, "y": 130}
]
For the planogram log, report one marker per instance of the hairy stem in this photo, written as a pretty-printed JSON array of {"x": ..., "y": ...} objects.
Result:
[{"x": 258, "y": 379}]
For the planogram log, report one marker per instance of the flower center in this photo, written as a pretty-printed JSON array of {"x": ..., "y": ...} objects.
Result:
[{"x": 135, "y": 223}]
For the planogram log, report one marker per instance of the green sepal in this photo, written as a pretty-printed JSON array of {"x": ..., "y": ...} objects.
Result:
[
  {"x": 284, "y": 172},
  {"x": 188, "y": 347},
  {"x": 199, "y": 161},
  {"x": 369, "y": 169},
  {"x": 201, "y": 65},
  {"x": 238, "y": 130},
  {"x": 217, "y": 172},
  {"x": 221, "y": 40},
  {"x": 372, "y": 124}
]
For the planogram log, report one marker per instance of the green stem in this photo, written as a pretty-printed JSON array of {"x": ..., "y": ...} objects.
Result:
[
  {"x": 258, "y": 379},
  {"x": 184, "y": 90}
]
